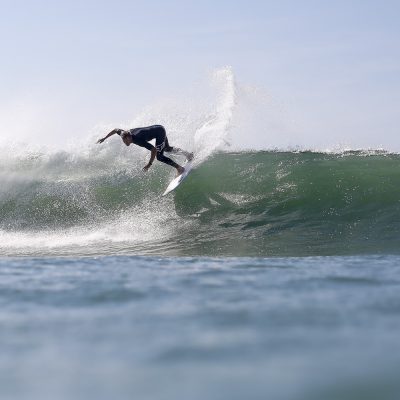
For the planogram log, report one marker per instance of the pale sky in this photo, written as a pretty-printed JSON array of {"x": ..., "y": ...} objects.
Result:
[{"x": 334, "y": 66}]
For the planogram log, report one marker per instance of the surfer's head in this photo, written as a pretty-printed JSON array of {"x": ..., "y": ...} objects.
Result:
[{"x": 126, "y": 138}]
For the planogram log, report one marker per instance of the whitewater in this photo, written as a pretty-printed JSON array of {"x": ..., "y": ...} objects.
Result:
[
  {"x": 92, "y": 196},
  {"x": 269, "y": 273}
]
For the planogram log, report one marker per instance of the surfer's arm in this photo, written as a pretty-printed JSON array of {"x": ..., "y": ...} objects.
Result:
[
  {"x": 152, "y": 157},
  {"x": 113, "y": 132}
]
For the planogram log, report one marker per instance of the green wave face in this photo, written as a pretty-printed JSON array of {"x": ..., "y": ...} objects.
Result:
[
  {"x": 233, "y": 204},
  {"x": 296, "y": 204}
]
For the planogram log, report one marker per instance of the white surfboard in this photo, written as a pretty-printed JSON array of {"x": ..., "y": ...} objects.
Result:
[{"x": 177, "y": 181}]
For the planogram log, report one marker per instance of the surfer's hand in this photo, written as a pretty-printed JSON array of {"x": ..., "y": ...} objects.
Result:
[
  {"x": 100, "y": 140},
  {"x": 145, "y": 168}
]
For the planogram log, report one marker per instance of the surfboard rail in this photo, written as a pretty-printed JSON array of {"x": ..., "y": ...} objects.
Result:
[{"x": 179, "y": 179}]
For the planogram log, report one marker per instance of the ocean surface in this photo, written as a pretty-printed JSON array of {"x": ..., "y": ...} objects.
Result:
[
  {"x": 128, "y": 327},
  {"x": 265, "y": 275}
]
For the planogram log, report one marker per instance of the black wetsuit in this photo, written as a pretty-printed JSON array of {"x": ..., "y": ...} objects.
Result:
[{"x": 142, "y": 136}]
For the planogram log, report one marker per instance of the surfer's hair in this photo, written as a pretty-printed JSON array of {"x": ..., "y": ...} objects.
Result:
[{"x": 124, "y": 135}]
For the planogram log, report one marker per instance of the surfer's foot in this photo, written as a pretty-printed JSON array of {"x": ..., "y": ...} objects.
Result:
[
  {"x": 190, "y": 156},
  {"x": 180, "y": 170}
]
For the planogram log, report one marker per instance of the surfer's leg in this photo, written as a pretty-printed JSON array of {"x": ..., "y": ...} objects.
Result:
[
  {"x": 163, "y": 145},
  {"x": 160, "y": 157},
  {"x": 177, "y": 150},
  {"x": 167, "y": 146}
]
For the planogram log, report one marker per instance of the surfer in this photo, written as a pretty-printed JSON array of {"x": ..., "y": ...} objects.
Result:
[{"x": 142, "y": 136}]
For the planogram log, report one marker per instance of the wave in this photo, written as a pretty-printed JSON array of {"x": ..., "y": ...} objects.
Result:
[
  {"x": 233, "y": 204},
  {"x": 91, "y": 199}
]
